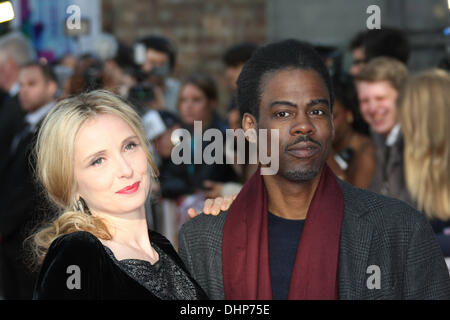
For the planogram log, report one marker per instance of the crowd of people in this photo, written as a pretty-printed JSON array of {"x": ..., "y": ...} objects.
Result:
[{"x": 389, "y": 136}]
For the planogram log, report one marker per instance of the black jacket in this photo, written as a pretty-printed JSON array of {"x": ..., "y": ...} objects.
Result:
[
  {"x": 22, "y": 204},
  {"x": 101, "y": 278},
  {"x": 11, "y": 121}
]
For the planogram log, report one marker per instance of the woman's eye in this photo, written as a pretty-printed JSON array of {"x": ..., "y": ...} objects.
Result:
[
  {"x": 130, "y": 146},
  {"x": 97, "y": 162}
]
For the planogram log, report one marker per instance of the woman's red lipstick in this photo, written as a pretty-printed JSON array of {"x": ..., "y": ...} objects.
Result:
[{"x": 130, "y": 189}]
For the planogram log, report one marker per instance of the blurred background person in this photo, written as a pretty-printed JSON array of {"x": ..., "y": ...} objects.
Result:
[
  {"x": 234, "y": 59},
  {"x": 159, "y": 126},
  {"x": 424, "y": 116},
  {"x": 87, "y": 75},
  {"x": 119, "y": 71},
  {"x": 157, "y": 56},
  {"x": 64, "y": 69},
  {"x": 385, "y": 42},
  {"x": 182, "y": 186},
  {"x": 171, "y": 182},
  {"x": 356, "y": 47},
  {"x": 378, "y": 86},
  {"x": 198, "y": 101},
  {"x": 15, "y": 51},
  {"x": 109, "y": 65},
  {"x": 20, "y": 197},
  {"x": 353, "y": 153}
]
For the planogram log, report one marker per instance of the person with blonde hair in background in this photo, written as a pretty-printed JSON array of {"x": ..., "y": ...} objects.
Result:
[
  {"x": 93, "y": 161},
  {"x": 424, "y": 116}
]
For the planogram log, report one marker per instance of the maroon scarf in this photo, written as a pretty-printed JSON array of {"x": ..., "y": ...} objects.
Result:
[{"x": 245, "y": 244}]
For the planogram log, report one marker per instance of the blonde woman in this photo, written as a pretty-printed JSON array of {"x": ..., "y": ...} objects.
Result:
[
  {"x": 425, "y": 112},
  {"x": 93, "y": 162}
]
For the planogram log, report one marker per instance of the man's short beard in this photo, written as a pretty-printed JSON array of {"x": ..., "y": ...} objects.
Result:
[{"x": 297, "y": 176}]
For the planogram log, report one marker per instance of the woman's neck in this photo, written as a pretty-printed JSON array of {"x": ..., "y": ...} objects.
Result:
[{"x": 128, "y": 228}]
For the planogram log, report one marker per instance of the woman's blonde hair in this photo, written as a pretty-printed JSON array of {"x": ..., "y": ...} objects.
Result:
[
  {"x": 54, "y": 152},
  {"x": 425, "y": 113}
]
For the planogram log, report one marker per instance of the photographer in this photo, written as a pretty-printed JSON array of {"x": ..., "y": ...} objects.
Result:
[{"x": 157, "y": 57}]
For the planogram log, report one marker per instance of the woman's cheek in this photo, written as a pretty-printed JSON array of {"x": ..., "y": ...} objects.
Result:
[{"x": 105, "y": 180}]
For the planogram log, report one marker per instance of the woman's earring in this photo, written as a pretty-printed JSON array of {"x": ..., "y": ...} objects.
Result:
[{"x": 80, "y": 205}]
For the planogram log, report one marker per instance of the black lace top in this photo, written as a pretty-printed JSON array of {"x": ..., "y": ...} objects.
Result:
[{"x": 165, "y": 279}]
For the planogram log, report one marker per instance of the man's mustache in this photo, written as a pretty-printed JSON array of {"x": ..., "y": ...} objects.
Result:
[{"x": 302, "y": 138}]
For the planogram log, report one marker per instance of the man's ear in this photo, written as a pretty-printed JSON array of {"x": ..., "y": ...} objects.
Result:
[{"x": 250, "y": 126}]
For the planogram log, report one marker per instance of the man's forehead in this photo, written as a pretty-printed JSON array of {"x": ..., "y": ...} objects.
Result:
[
  {"x": 374, "y": 84},
  {"x": 293, "y": 80}
]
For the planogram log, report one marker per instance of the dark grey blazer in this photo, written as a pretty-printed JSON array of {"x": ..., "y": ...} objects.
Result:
[
  {"x": 376, "y": 230},
  {"x": 389, "y": 177}
]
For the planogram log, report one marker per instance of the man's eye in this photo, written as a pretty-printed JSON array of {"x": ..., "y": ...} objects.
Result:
[
  {"x": 130, "y": 146},
  {"x": 318, "y": 112},
  {"x": 282, "y": 114}
]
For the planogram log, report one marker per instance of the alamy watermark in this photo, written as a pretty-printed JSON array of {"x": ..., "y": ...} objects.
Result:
[
  {"x": 74, "y": 280},
  {"x": 258, "y": 148},
  {"x": 374, "y": 20},
  {"x": 374, "y": 280},
  {"x": 73, "y": 22}
]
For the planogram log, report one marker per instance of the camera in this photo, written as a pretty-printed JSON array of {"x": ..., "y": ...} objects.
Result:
[{"x": 142, "y": 95}]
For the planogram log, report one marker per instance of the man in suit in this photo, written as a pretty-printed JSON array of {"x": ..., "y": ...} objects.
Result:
[
  {"x": 379, "y": 84},
  {"x": 19, "y": 194},
  {"x": 15, "y": 51},
  {"x": 303, "y": 233}
]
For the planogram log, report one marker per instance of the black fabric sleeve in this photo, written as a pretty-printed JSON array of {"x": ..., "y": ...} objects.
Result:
[
  {"x": 427, "y": 276},
  {"x": 71, "y": 269}
]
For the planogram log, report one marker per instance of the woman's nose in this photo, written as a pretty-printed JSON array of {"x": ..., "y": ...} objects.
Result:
[{"x": 124, "y": 168}]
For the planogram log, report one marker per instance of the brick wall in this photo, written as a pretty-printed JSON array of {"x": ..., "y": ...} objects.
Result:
[{"x": 201, "y": 29}]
